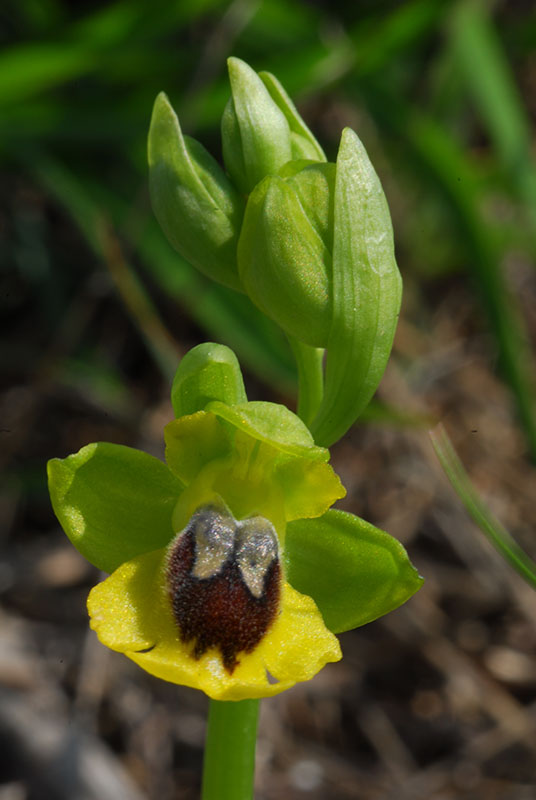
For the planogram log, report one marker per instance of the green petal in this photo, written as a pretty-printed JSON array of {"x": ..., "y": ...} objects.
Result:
[
  {"x": 274, "y": 424},
  {"x": 366, "y": 292},
  {"x": 207, "y": 372},
  {"x": 353, "y": 571},
  {"x": 113, "y": 502},
  {"x": 309, "y": 487}
]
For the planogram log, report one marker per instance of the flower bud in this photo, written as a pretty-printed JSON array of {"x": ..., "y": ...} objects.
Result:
[
  {"x": 284, "y": 252},
  {"x": 302, "y": 142},
  {"x": 261, "y": 128},
  {"x": 196, "y": 205},
  {"x": 316, "y": 255}
]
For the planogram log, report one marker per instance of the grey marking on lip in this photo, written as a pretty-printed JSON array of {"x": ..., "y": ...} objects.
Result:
[
  {"x": 256, "y": 548},
  {"x": 214, "y": 531}
]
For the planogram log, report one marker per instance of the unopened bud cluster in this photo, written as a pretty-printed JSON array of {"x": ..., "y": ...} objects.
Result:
[
  {"x": 264, "y": 225},
  {"x": 308, "y": 241}
]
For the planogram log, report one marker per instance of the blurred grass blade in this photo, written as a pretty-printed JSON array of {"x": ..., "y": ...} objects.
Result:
[
  {"x": 224, "y": 314},
  {"x": 489, "y": 77},
  {"x": 442, "y": 162},
  {"x": 461, "y": 184},
  {"x": 377, "y": 44},
  {"x": 491, "y": 527},
  {"x": 27, "y": 70},
  {"x": 65, "y": 187}
]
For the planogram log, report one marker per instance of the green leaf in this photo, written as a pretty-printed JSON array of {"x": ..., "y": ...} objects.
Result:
[
  {"x": 366, "y": 293},
  {"x": 198, "y": 208},
  {"x": 353, "y": 571},
  {"x": 207, "y": 372},
  {"x": 274, "y": 424},
  {"x": 255, "y": 133},
  {"x": 113, "y": 502}
]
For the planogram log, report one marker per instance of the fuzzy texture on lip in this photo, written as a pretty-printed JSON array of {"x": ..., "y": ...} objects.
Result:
[
  {"x": 235, "y": 600},
  {"x": 125, "y": 511},
  {"x": 259, "y": 462},
  {"x": 131, "y": 613}
]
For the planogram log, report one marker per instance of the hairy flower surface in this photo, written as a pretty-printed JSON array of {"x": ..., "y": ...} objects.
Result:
[
  {"x": 228, "y": 570},
  {"x": 223, "y": 459}
]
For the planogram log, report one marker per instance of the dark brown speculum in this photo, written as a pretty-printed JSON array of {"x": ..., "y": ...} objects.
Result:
[{"x": 224, "y": 580}]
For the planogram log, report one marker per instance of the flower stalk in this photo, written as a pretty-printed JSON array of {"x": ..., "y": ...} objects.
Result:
[{"x": 229, "y": 766}]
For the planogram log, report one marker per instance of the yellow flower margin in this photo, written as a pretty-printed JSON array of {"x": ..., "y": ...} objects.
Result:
[
  {"x": 224, "y": 460},
  {"x": 130, "y": 612}
]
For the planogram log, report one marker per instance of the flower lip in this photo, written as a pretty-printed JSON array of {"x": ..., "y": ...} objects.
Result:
[{"x": 224, "y": 582}]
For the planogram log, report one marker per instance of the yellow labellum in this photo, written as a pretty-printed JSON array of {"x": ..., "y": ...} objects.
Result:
[{"x": 131, "y": 613}]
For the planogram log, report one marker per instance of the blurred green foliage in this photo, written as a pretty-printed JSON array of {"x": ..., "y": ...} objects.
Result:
[{"x": 434, "y": 90}]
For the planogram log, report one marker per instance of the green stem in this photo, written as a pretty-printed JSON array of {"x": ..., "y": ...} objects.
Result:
[
  {"x": 310, "y": 378},
  {"x": 230, "y": 750}
]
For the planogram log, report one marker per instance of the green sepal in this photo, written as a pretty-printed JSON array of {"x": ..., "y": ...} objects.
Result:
[
  {"x": 353, "y": 571},
  {"x": 256, "y": 137},
  {"x": 113, "y": 502},
  {"x": 284, "y": 251},
  {"x": 192, "y": 442},
  {"x": 207, "y": 372},
  {"x": 303, "y": 143},
  {"x": 196, "y": 205},
  {"x": 366, "y": 292},
  {"x": 274, "y": 424}
]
